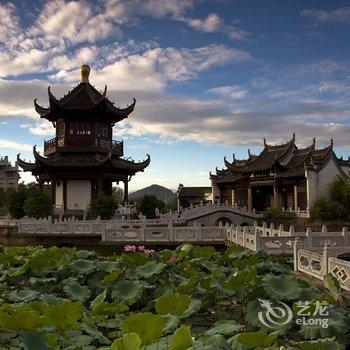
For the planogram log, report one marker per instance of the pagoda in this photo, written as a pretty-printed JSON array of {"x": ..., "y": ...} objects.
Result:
[{"x": 83, "y": 159}]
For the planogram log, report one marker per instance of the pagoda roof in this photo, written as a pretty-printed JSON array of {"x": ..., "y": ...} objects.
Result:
[
  {"x": 114, "y": 164},
  {"x": 84, "y": 97},
  {"x": 283, "y": 159}
]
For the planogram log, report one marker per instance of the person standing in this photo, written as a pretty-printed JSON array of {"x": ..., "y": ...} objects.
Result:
[{"x": 157, "y": 214}]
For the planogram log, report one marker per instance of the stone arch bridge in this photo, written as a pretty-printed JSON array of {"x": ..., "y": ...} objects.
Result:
[{"x": 212, "y": 214}]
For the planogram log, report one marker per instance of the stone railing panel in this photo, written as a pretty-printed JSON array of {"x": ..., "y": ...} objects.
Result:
[
  {"x": 340, "y": 269},
  {"x": 310, "y": 263},
  {"x": 213, "y": 234},
  {"x": 186, "y": 234},
  {"x": 160, "y": 234}
]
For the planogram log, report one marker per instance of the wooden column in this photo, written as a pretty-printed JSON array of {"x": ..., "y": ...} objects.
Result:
[
  {"x": 233, "y": 197},
  {"x": 53, "y": 192},
  {"x": 126, "y": 190},
  {"x": 275, "y": 196},
  {"x": 64, "y": 194},
  {"x": 295, "y": 197},
  {"x": 99, "y": 185},
  {"x": 250, "y": 199}
]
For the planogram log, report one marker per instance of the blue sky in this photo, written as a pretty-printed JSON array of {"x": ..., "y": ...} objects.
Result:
[{"x": 211, "y": 78}]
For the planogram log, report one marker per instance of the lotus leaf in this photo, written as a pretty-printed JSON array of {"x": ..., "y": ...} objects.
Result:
[
  {"x": 173, "y": 304},
  {"x": 128, "y": 292},
  {"x": 23, "y": 295},
  {"x": 224, "y": 327},
  {"x": 149, "y": 269},
  {"x": 181, "y": 340},
  {"x": 77, "y": 292},
  {"x": 253, "y": 340},
  {"x": 108, "y": 265},
  {"x": 84, "y": 267},
  {"x": 112, "y": 277},
  {"x": 85, "y": 254},
  {"x": 282, "y": 287},
  {"x": 320, "y": 344},
  {"x": 203, "y": 252},
  {"x": 242, "y": 277},
  {"x": 148, "y": 326},
  {"x": 332, "y": 285},
  {"x": 96, "y": 304},
  {"x": 129, "y": 341},
  {"x": 34, "y": 341}
]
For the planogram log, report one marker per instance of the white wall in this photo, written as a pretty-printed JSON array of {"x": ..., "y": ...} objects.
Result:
[
  {"x": 78, "y": 194},
  {"x": 59, "y": 193},
  {"x": 325, "y": 177},
  {"x": 215, "y": 192}
]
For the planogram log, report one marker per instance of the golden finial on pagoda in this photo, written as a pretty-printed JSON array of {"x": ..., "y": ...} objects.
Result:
[{"x": 85, "y": 72}]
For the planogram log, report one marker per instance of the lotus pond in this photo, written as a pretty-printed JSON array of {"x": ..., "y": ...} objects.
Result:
[{"x": 189, "y": 298}]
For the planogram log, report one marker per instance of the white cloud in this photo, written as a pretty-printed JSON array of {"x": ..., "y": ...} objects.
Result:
[
  {"x": 213, "y": 23},
  {"x": 233, "y": 92},
  {"x": 8, "y": 144},
  {"x": 337, "y": 15}
]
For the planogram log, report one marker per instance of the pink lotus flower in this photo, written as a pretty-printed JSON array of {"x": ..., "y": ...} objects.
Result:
[
  {"x": 141, "y": 248},
  {"x": 129, "y": 248},
  {"x": 149, "y": 251},
  {"x": 173, "y": 260}
]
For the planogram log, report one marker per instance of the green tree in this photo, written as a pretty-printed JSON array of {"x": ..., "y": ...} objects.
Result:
[
  {"x": 338, "y": 206},
  {"x": 147, "y": 205},
  {"x": 103, "y": 206},
  {"x": 38, "y": 204},
  {"x": 118, "y": 194},
  {"x": 15, "y": 199}
]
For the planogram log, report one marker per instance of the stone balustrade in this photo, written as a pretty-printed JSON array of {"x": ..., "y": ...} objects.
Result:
[
  {"x": 195, "y": 211},
  {"x": 165, "y": 234},
  {"x": 318, "y": 265},
  {"x": 279, "y": 241}
]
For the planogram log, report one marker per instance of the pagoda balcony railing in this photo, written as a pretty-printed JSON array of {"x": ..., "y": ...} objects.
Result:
[
  {"x": 116, "y": 147},
  {"x": 50, "y": 146}
]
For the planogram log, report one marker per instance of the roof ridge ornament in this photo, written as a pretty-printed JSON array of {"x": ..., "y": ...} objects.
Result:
[
  {"x": 85, "y": 72},
  {"x": 331, "y": 142},
  {"x": 314, "y": 142},
  {"x": 265, "y": 143},
  {"x": 293, "y": 138}
]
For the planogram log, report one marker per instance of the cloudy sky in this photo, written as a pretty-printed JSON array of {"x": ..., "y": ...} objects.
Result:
[{"x": 211, "y": 78}]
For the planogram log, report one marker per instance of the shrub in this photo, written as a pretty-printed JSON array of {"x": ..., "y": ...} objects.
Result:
[
  {"x": 38, "y": 205},
  {"x": 278, "y": 214},
  {"x": 103, "y": 206},
  {"x": 147, "y": 205},
  {"x": 325, "y": 210},
  {"x": 15, "y": 201}
]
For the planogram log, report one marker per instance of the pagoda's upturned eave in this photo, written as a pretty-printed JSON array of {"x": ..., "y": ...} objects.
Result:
[{"x": 123, "y": 164}]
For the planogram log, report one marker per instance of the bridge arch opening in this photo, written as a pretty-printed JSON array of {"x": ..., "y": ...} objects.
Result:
[
  {"x": 224, "y": 220},
  {"x": 244, "y": 224}
]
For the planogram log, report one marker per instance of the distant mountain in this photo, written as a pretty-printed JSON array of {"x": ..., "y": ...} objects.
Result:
[{"x": 160, "y": 192}]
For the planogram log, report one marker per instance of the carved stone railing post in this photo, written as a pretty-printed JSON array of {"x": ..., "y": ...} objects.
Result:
[
  {"x": 297, "y": 245},
  {"x": 280, "y": 230},
  {"x": 308, "y": 237},
  {"x": 324, "y": 229},
  {"x": 264, "y": 226},
  {"x": 171, "y": 231},
  {"x": 257, "y": 241},
  {"x": 243, "y": 235},
  {"x": 325, "y": 256},
  {"x": 291, "y": 230}
]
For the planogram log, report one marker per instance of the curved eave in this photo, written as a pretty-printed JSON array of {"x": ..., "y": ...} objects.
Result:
[
  {"x": 25, "y": 165},
  {"x": 127, "y": 165},
  {"x": 42, "y": 111},
  {"x": 120, "y": 113}
]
